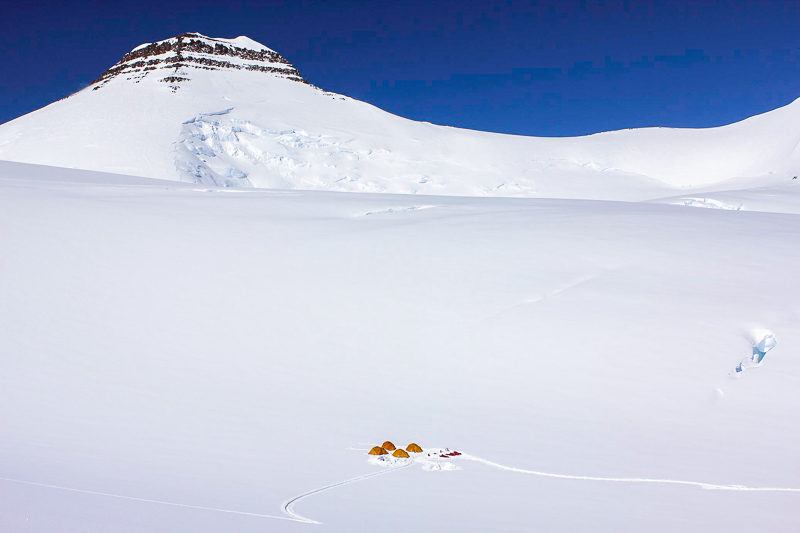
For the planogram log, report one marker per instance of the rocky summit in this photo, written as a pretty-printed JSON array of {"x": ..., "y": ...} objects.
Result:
[{"x": 174, "y": 59}]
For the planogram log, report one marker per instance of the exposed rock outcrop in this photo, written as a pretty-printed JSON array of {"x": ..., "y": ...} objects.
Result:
[{"x": 195, "y": 51}]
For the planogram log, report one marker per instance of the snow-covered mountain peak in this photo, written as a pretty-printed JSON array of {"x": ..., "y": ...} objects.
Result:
[
  {"x": 228, "y": 112},
  {"x": 173, "y": 60}
]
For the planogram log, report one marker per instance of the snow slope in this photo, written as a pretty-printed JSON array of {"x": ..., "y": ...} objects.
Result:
[
  {"x": 236, "y": 114},
  {"x": 179, "y": 357},
  {"x": 782, "y": 198}
]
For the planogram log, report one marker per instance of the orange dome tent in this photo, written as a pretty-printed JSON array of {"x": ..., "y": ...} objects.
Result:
[
  {"x": 388, "y": 446},
  {"x": 414, "y": 448},
  {"x": 400, "y": 453},
  {"x": 377, "y": 450}
]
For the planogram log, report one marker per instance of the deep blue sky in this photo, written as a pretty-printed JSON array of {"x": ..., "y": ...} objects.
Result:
[{"x": 533, "y": 67}]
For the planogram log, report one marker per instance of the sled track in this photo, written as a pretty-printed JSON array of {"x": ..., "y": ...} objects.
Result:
[
  {"x": 294, "y": 517},
  {"x": 150, "y": 501},
  {"x": 287, "y": 506},
  {"x": 707, "y": 486}
]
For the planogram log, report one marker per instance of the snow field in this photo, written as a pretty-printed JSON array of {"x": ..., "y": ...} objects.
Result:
[{"x": 224, "y": 350}]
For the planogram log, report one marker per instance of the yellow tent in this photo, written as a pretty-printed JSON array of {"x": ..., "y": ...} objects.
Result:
[
  {"x": 388, "y": 446},
  {"x": 414, "y": 448},
  {"x": 377, "y": 450},
  {"x": 400, "y": 453}
]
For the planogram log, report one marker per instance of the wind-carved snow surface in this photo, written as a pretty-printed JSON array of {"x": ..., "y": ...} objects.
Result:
[{"x": 760, "y": 348}]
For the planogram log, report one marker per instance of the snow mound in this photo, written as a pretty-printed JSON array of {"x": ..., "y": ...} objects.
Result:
[
  {"x": 437, "y": 466},
  {"x": 388, "y": 461}
]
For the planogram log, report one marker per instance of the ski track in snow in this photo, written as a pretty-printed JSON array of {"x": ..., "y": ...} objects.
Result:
[
  {"x": 160, "y": 502},
  {"x": 287, "y": 506},
  {"x": 707, "y": 486},
  {"x": 540, "y": 298}
]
